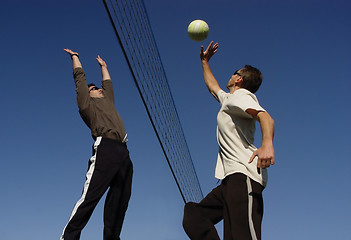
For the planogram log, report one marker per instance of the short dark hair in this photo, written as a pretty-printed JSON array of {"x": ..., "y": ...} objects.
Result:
[
  {"x": 252, "y": 78},
  {"x": 91, "y": 84}
]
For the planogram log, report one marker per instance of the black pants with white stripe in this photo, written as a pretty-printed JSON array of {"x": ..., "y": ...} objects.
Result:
[
  {"x": 237, "y": 200},
  {"x": 109, "y": 168}
]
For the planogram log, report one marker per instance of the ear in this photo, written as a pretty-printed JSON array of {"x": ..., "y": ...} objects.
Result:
[{"x": 239, "y": 81}]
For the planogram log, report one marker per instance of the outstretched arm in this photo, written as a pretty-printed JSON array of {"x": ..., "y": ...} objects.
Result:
[
  {"x": 75, "y": 58},
  {"x": 265, "y": 153},
  {"x": 210, "y": 80},
  {"x": 106, "y": 85},
  {"x": 83, "y": 97},
  {"x": 104, "y": 71}
]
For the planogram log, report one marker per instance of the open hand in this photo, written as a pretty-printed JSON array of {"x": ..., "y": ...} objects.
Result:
[
  {"x": 101, "y": 62},
  {"x": 70, "y": 52},
  {"x": 210, "y": 51}
]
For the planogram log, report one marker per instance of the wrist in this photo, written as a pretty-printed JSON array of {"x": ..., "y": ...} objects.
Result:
[
  {"x": 74, "y": 54},
  {"x": 204, "y": 62},
  {"x": 267, "y": 142}
]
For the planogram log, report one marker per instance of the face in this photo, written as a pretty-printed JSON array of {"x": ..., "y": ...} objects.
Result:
[
  {"x": 95, "y": 92},
  {"x": 234, "y": 79}
]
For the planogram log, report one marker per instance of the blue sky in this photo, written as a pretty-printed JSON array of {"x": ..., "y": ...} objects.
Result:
[{"x": 302, "y": 48}]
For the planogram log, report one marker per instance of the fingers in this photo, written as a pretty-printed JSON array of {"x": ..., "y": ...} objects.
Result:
[
  {"x": 262, "y": 162},
  {"x": 215, "y": 46},
  {"x": 272, "y": 161},
  {"x": 69, "y": 51},
  {"x": 202, "y": 52},
  {"x": 253, "y": 156},
  {"x": 101, "y": 61},
  {"x": 210, "y": 50},
  {"x": 265, "y": 163},
  {"x": 209, "y": 46}
]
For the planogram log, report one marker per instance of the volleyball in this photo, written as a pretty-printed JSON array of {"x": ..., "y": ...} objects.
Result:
[{"x": 198, "y": 30}]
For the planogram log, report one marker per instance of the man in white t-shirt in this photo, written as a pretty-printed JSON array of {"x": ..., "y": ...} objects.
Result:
[{"x": 240, "y": 165}]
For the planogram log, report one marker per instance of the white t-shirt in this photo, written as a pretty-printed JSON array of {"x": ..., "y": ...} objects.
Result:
[{"x": 235, "y": 135}]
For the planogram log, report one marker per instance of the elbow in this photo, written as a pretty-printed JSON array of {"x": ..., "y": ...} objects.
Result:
[
  {"x": 210, "y": 90},
  {"x": 272, "y": 124},
  {"x": 213, "y": 88},
  {"x": 265, "y": 117},
  {"x": 272, "y": 120}
]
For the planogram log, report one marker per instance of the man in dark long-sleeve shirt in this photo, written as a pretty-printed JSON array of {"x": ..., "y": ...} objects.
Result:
[{"x": 110, "y": 166}]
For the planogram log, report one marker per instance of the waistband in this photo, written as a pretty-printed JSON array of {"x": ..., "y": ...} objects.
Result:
[
  {"x": 105, "y": 139},
  {"x": 125, "y": 139}
]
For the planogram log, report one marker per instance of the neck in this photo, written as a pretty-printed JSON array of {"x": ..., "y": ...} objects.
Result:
[{"x": 233, "y": 89}]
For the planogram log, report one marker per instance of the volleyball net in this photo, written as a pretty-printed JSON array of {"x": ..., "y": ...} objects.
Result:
[{"x": 132, "y": 27}]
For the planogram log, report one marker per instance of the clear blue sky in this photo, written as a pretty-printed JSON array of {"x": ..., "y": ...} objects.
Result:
[{"x": 302, "y": 48}]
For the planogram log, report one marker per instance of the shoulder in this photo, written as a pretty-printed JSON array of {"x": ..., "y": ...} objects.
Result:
[
  {"x": 222, "y": 95},
  {"x": 106, "y": 83},
  {"x": 243, "y": 92},
  {"x": 243, "y": 99},
  {"x": 245, "y": 95}
]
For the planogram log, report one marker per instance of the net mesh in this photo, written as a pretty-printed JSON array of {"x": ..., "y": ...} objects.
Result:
[{"x": 131, "y": 24}]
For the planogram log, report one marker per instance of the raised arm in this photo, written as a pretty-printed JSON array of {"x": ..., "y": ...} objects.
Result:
[
  {"x": 104, "y": 71},
  {"x": 210, "y": 80},
  {"x": 83, "y": 97},
  {"x": 106, "y": 85},
  {"x": 265, "y": 153}
]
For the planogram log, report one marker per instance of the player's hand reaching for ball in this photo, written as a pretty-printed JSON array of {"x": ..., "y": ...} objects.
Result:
[
  {"x": 209, "y": 52},
  {"x": 75, "y": 58},
  {"x": 101, "y": 62},
  {"x": 70, "y": 52}
]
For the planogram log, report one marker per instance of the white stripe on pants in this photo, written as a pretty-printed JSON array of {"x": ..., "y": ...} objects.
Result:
[{"x": 87, "y": 182}]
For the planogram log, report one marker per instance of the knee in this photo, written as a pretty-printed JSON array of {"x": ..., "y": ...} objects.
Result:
[
  {"x": 189, "y": 214},
  {"x": 189, "y": 207}
]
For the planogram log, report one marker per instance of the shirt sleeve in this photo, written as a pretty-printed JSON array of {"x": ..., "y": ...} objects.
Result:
[
  {"x": 107, "y": 87},
  {"x": 222, "y": 95},
  {"x": 83, "y": 97},
  {"x": 243, "y": 100}
]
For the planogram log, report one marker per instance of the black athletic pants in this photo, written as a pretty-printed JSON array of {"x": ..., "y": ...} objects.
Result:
[
  {"x": 109, "y": 167},
  {"x": 237, "y": 200}
]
